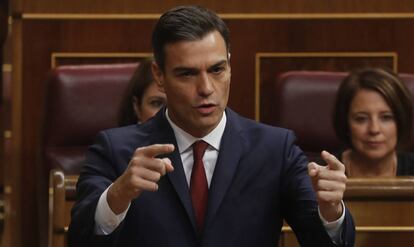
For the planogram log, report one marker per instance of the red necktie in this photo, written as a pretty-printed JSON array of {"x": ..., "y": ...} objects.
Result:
[{"x": 198, "y": 184}]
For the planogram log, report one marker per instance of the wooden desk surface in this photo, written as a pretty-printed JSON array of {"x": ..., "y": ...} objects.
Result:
[{"x": 383, "y": 211}]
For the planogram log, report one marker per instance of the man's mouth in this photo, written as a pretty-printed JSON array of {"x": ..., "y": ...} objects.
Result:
[{"x": 206, "y": 109}]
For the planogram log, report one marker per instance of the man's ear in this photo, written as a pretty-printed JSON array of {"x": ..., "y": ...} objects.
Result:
[{"x": 158, "y": 76}]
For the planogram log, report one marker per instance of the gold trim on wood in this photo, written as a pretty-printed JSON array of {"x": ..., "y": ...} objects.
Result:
[
  {"x": 261, "y": 55},
  {"x": 7, "y": 134},
  {"x": 72, "y": 16},
  {"x": 229, "y": 16},
  {"x": 307, "y": 16},
  {"x": 8, "y": 190},
  {"x": 56, "y": 55},
  {"x": 7, "y": 67},
  {"x": 384, "y": 228}
]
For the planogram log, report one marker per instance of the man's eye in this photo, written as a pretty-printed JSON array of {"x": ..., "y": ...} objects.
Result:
[
  {"x": 186, "y": 74},
  {"x": 217, "y": 70}
]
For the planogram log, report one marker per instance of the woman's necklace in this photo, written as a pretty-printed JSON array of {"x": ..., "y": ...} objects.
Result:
[{"x": 350, "y": 172}]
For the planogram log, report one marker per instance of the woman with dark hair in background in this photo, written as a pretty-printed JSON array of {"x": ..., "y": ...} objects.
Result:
[
  {"x": 142, "y": 98},
  {"x": 372, "y": 117}
]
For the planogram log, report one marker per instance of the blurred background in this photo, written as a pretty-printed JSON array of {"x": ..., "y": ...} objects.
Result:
[{"x": 268, "y": 38}]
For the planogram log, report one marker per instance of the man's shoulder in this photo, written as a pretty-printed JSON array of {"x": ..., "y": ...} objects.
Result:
[
  {"x": 123, "y": 130},
  {"x": 126, "y": 134}
]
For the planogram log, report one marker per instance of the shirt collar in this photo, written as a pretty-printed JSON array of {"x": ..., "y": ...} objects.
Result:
[{"x": 185, "y": 140}]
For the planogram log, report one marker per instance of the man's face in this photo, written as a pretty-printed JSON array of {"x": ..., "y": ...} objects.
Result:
[{"x": 196, "y": 79}]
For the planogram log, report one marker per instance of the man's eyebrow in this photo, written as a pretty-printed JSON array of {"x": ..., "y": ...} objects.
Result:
[
  {"x": 219, "y": 63},
  {"x": 189, "y": 69},
  {"x": 183, "y": 69}
]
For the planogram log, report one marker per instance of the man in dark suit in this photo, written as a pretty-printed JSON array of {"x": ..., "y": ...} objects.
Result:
[{"x": 198, "y": 174}]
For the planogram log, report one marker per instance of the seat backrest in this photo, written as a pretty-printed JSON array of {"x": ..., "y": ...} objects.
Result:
[
  {"x": 304, "y": 102},
  {"x": 82, "y": 100}
]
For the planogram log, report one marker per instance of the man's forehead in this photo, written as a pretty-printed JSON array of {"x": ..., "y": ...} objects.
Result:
[
  {"x": 205, "y": 52},
  {"x": 189, "y": 64}
]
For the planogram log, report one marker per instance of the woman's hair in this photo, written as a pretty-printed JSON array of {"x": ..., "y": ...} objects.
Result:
[
  {"x": 389, "y": 86},
  {"x": 140, "y": 81}
]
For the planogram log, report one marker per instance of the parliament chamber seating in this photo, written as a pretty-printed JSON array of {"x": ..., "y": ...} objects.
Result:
[
  {"x": 382, "y": 208},
  {"x": 81, "y": 101},
  {"x": 304, "y": 101}
]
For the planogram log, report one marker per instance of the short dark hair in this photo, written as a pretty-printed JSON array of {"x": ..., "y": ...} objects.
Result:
[
  {"x": 389, "y": 86},
  {"x": 185, "y": 23},
  {"x": 140, "y": 81}
]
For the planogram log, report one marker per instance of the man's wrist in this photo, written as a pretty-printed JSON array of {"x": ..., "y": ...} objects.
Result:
[
  {"x": 116, "y": 201},
  {"x": 106, "y": 220},
  {"x": 331, "y": 212}
]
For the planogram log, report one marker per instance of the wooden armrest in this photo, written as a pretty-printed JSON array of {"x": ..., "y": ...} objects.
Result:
[
  {"x": 62, "y": 195},
  {"x": 401, "y": 188}
]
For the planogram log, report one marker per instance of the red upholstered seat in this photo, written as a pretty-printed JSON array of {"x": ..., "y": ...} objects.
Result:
[{"x": 82, "y": 100}]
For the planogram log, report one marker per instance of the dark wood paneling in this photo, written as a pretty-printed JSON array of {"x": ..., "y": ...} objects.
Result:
[
  {"x": 4, "y": 106},
  {"x": 4, "y": 12},
  {"x": 78, "y": 37},
  {"x": 41, "y": 38},
  {"x": 12, "y": 166},
  {"x": 94, "y": 60},
  {"x": 230, "y": 6}
]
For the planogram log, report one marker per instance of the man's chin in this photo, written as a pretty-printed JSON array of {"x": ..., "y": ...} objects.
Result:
[{"x": 206, "y": 125}]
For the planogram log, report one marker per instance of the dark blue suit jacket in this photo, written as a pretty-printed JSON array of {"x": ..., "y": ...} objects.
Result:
[{"x": 260, "y": 179}]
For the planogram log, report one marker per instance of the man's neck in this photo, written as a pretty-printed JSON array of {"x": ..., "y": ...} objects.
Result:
[{"x": 193, "y": 132}]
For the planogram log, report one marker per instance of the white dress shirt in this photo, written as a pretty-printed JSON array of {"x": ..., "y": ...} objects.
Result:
[
  {"x": 106, "y": 221},
  {"x": 185, "y": 142}
]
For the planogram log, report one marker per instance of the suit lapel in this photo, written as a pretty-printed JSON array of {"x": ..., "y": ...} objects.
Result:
[
  {"x": 231, "y": 150},
  {"x": 163, "y": 133},
  {"x": 179, "y": 182}
]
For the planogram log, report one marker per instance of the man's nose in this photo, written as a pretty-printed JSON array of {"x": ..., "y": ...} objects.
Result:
[{"x": 205, "y": 85}]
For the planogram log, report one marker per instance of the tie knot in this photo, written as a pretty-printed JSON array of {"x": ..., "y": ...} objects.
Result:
[{"x": 199, "y": 147}]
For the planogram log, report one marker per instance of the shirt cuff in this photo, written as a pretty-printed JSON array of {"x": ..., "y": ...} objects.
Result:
[
  {"x": 334, "y": 228},
  {"x": 106, "y": 221}
]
